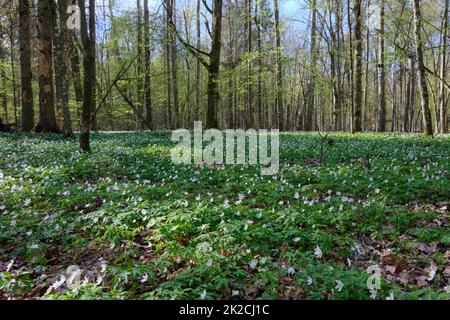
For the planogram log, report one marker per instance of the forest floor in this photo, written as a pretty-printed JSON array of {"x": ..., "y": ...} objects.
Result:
[{"x": 126, "y": 223}]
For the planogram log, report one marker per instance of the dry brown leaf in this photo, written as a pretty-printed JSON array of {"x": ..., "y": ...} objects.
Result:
[
  {"x": 390, "y": 269},
  {"x": 404, "y": 278}
]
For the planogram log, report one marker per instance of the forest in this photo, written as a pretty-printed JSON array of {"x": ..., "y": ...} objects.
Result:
[{"x": 93, "y": 94}]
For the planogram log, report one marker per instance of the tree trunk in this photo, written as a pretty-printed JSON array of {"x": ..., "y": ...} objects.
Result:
[
  {"x": 174, "y": 66},
  {"x": 338, "y": 81},
  {"x": 25, "y": 66},
  {"x": 311, "y": 91},
  {"x": 60, "y": 36},
  {"x": 258, "y": 18},
  {"x": 47, "y": 118},
  {"x": 74, "y": 59},
  {"x": 359, "y": 67},
  {"x": 279, "y": 98},
  {"x": 443, "y": 95},
  {"x": 198, "y": 80},
  {"x": 3, "y": 94},
  {"x": 214, "y": 67},
  {"x": 88, "y": 42},
  {"x": 140, "y": 45},
  {"x": 424, "y": 95},
  {"x": 147, "y": 67},
  {"x": 250, "y": 112},
  {"x": 350, "y": 73},
  {"x": 381, "y": 72},
  {"x": 167, "y": 49}
]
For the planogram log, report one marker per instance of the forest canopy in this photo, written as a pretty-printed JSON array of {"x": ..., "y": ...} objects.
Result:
[{"x": 369, "y": 65}]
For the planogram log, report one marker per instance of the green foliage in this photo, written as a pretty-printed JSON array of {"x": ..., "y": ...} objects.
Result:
[{"x": 141, "y": 227}]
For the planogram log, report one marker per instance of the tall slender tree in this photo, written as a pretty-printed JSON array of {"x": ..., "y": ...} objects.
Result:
[
  {"x": 250, "y": 118},
  {"x": 211, "y": 62},
  {"x": 443, "y": 95},
  {"x": 25, "y": 66},
  {"x": 279, "y": 67},
  {"x": 421, "y": 72},
  {"x": 140, "y": 56},
  {"x": 310, "y": 94},
  {"x": 147, "y": 68},
  {"x": 47, "y": 117},
  {"x": 198, "y": 80},
  {"x": 359, "y": 67},
  {"x": 60, "y": 36},
  {"x": 88, "y": 41},
  {"x": 174, "y": 64},
  {"x": 381, "y": 72}
]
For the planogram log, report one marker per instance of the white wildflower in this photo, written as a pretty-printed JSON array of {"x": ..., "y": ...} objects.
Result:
[
  {"x": 144, "y": 278},
  {"x": 318, "y": 252},
  {"x": 432, "y": 273},
  {"x": 339, "y": 285},
  {"x": 390, "y": 297},
  {"x": 253, "y": 264}
]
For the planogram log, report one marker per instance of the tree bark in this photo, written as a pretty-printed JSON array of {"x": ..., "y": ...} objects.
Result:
[
  {"x": 311, "y": 91},
  {"x": 25, "y": 66},
  {"x": 249, "y": 24},
  {"x": 421, "y": 72},
  {"x": 258, "y": 18},
  {"x": 198, "y": 80},
  {"x": 167, "y": 49},
  {"x": 47, "y": 117},
  {"x": 214, "y": 67},
  {"x": 359, "y": 66},
  {"x": 140, "y": 45},
  {"x": 88, "y": 42},
  {"x": 174, "y": 65},
  {"x": 61, "y": 36},
  {"x": 147, "y": 67},
  {"x": 381, "y": 72},
  {"x": 443, "y": 91},
  {"x": 279, "y": 76}
]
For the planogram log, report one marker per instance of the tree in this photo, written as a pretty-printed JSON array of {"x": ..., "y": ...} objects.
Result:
[
  {"x": 88, "y": 42},
  {"x": 279, "y": 99},
  {"x": 421, "y": 72},
  {"x": 147, "y": 62},
  {"x": 250, "y": 117},
  {"x": 359, "y": 67},
  {"x": 213, "y": 65},
  {"x": 140, "y": 45},
  {"x": 47, "y": 117},
  {"x": 198, "y": 79},
  {"x": 443, "y": 96},
  {"x": 74, "y": 60},
  {"x": 25, "y": 66},
  {"x": 381, "y": 72},
  {"x": 259, "y": 95},
  {"x": 60, "y": 36},
  {"x": 310, "y": 94},
  {"x": 171, "y": 7}
]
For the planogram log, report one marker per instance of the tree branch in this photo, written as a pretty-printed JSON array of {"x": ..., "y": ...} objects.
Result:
[{"x": 207, "y": 7}]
